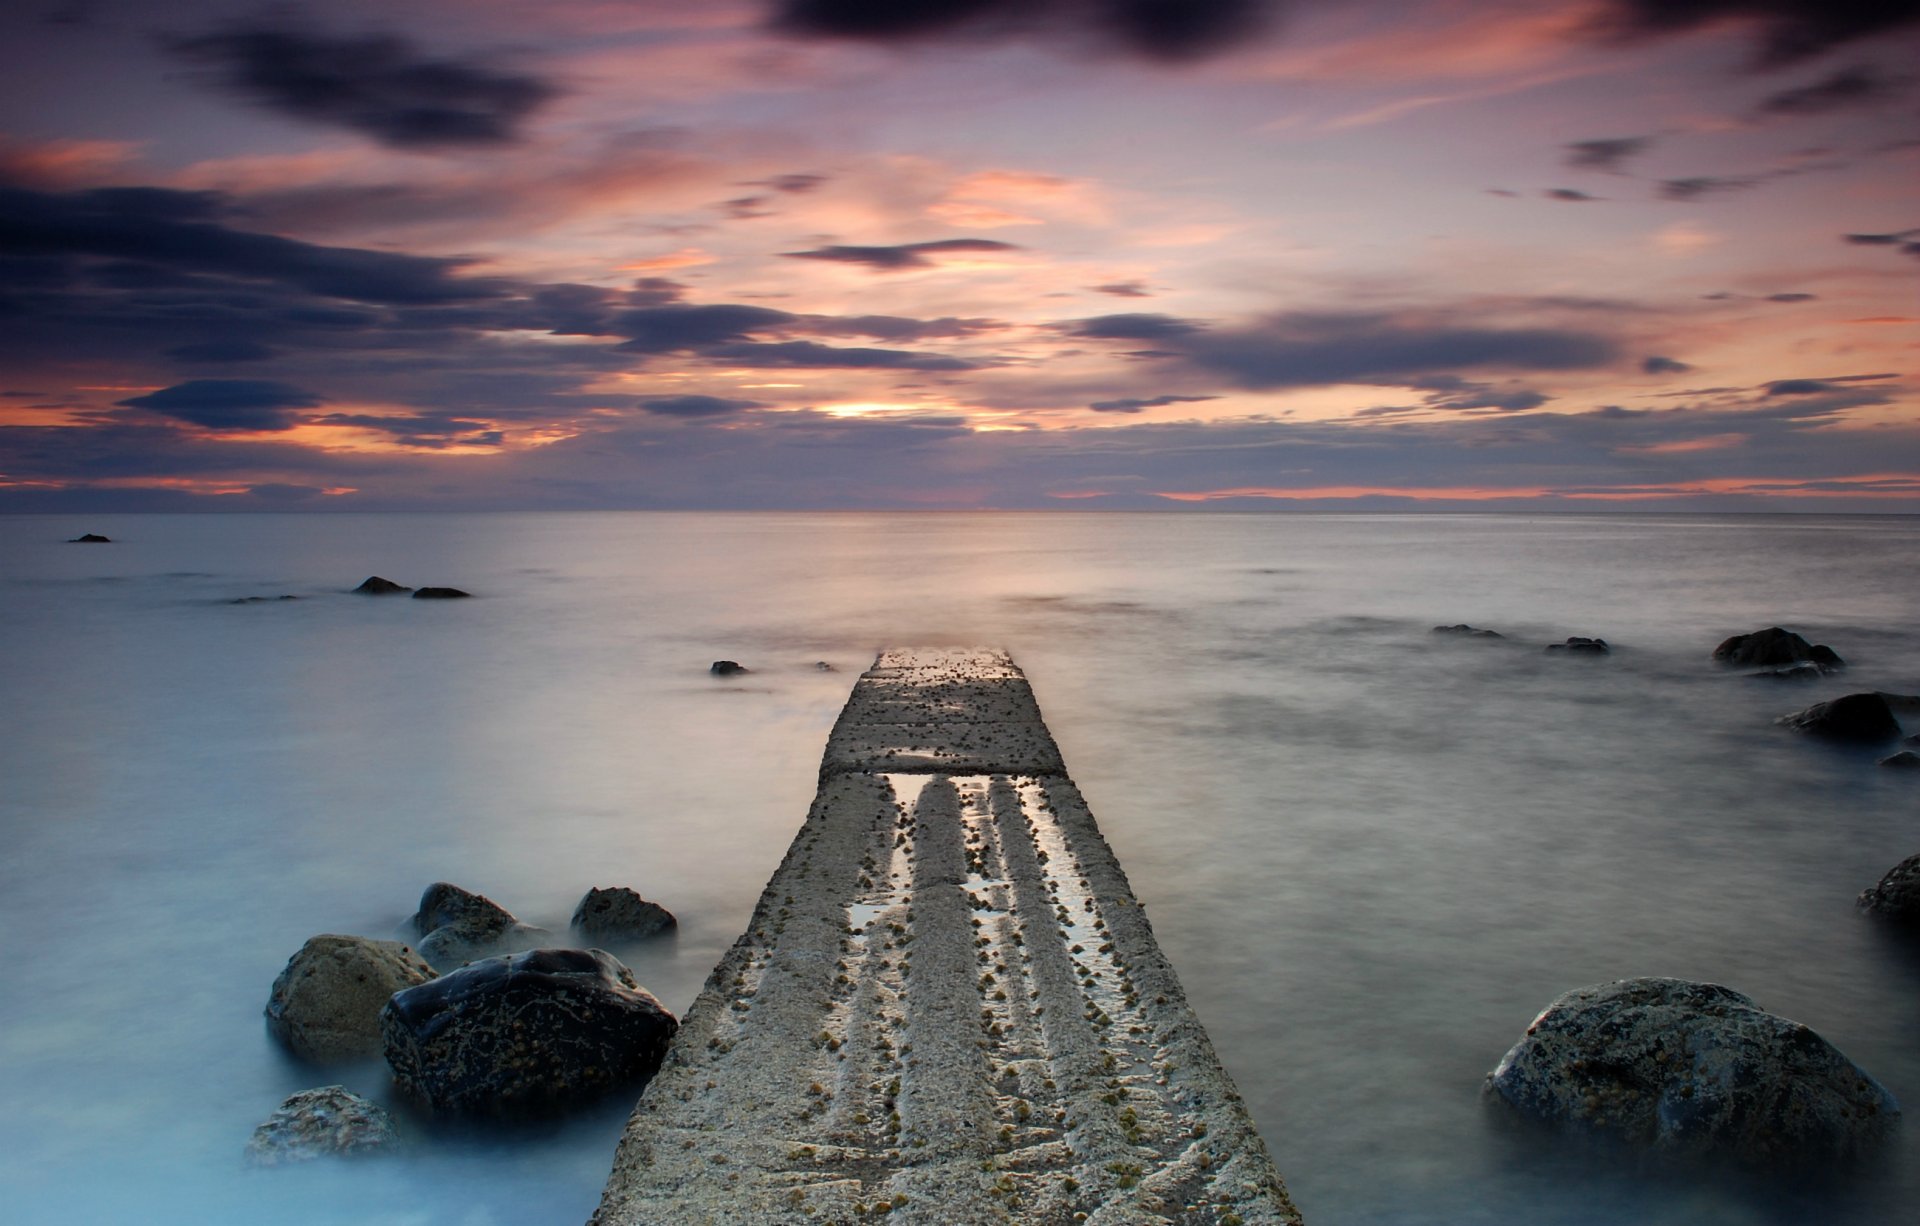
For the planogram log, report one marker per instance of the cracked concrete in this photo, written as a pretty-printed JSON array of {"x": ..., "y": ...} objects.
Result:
[{"x": 947, "y": 1009}]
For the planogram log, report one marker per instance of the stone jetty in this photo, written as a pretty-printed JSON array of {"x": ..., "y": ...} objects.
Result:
[{"x": 948, "y": 1007}]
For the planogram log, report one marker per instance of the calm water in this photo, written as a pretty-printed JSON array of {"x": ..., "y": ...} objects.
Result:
[{"x": 1373, "y": 856}]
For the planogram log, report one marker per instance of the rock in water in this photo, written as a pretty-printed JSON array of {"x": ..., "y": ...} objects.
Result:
[
  {"x": 1775, "y": 646},
  {"x": 620, "y": 914},
  {"x": 1463, "y": 630},
  {"x": 326, "y": 1003},
  {"x": 91, "y": 538},
  {"x": 440, "y": 593},
  {"x": 727, "y": 668},
  {"x": 458, "y": 926},
  {"x": 526, "y": 1034},
  {"x": 1897, "y": 895},
  {"x": 1865, "y": 719},
  {"x": 1905, "y": 758},
  {"x": 315, "y": 1123},
  {"x": 1693, "y": 1070},
  {"x": 376, "y": 586},
  {"x": 1581, "y": 647}
]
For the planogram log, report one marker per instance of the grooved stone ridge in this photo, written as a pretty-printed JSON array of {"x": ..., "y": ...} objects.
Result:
[{"x": 947, "y": 1008}]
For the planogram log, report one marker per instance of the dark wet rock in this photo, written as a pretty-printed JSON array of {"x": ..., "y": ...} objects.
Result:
[
  {"x": 823, "y": 666},
  {"x": 91, "y": 538},
  {"x": 1463, "y": 630},
  {"x": 619, "y": 913},
  {"x": 526, "y": 1034},
  {"x": 1578, "y": 646},
  {"x": 316, "y": 1123},
  {"x": 1896, "y": 895},
  {"x": 1776, "y": 646},
  {"x": 1905, "y": 758},
  {"x": 457, "y": 926},
  {"x": 727, "y": 668},
  {"x": 376, "y": 586},
  {"x": 440, "y": 593},
  {"x": 1691, "y": 1070},
  {"x": 326, "y": 1004},
  {"x": 1864, "y": 719},
  {"x": 1806, "y": 670},
  {"x": 260, "y": 599}
]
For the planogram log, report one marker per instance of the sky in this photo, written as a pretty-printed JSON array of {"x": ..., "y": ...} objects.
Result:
[{"x": 960, "y": 254}]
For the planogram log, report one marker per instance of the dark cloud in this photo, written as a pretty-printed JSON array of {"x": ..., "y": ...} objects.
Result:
[
  {"x": 898, "y": 258},
  {"x": 1908, "y": 241},
  {"x": 227, "y": 404},
  {"x": 1503, "y": 192},
  {"x": 1123, "y": 289},
  {"x": 1693, "y": 188},
  {"x": 1168, "y": 30},
  {"x": 221, "y": 351},
  {"x": 892, "y": 327},
  {"x": 1452, "y": 392},
  {"x": 1657, "y": 365},
  {"x": 665, "y": 329},
  {"x": 1792, "y": 297},
  {"x": 1151, "y": 402},
  {"x": 157, "y": 228},
  {"x": 809, "y": 354},
  {"x": 1568, "y": 195},
  {"x": 1133, "y": 327},
  {"x": 1788, "y": 31},
  {"x": 695, "y": 406},
  {"x": 746, "y": 208},
  {"x": 380, "y": 85},
  {"x": 428, "y": 430},
  {"x": 1847, "y": 88},
  {"x": 792, "y": 184},
  {"x": 1800, "y": 387},
  {"x": 1609, "y": 154}
]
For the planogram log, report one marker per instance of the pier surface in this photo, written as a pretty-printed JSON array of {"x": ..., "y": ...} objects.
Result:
[{"x": 947, "y": 1009}]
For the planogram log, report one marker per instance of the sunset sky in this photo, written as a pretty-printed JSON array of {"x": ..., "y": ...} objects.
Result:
[{"x": 1080, "y": 254}]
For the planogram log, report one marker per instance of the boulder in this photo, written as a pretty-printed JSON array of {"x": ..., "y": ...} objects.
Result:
[
  {"x": 1691, "y": 1070},
  {"x": 315, "y": 1123},
  {"x": 1863, "y": 719},
  {"x": 1580, "y": 647},
  {"x": 823, "y": 667},
  {"x": 1463, "y": 630},
  {"x": 1905, "y": 758},
  {"x": 457, "y": 926},
  {"x": 440, "y": 593},
  {"x": 727, "y": 668},
  {"x": 326, "y": 1004},
  {"x": 1776, "y": 646},
  {"x": 91, "y": 538},
  {"x": 618, "y": 913},
  {"x": 525, "y": 1035},
  {"x": 376, "y": 586},
  {"x": 1897, "y": 895}
]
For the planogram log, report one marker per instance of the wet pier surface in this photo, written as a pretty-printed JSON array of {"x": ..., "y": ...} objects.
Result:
[{"x": 948, "y": 1007}]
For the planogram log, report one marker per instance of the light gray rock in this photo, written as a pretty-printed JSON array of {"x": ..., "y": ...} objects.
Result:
[
  {"x": 326, "y": 1004},
  {"x": 317, "y": 1123},
  {"x": 620, "y": 914},
  {"x": 457, "y": 926},
  {"x": 1691, "y": 1070},
  {"x": 1896, "y": 895}
]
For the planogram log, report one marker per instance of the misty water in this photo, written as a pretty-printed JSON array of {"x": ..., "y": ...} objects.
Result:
[{"x": 1372, "y": 854}]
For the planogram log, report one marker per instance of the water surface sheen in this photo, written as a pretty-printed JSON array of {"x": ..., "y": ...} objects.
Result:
[{"x": 1371, "y": 853}]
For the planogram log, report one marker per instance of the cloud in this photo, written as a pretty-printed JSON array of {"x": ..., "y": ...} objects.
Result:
[
  {"x": 1844, "y": 89},
  {"x": 1609, "y": 154},
  {"x": 1908, "y": 241},
  {"x": 1123, "y": 289},
  {"x": 1568, "y": 195},
  {"x": 1695, "y": 187},
  {"x": 665, "y": 329},
  {"x": 695, "y": 406},
  {"x": 221, "y": 351},
  {"x": 792, "y": 184},
  {"x": 1657, "y": 365},
  {"x": 892, "y": 327},
  {"x": 1792, "y": 297},
  {"x": 809, "y": 354},
  {"x": 1133, "y": 327},
  {"x": 227, "y": 404},
  {"x": 427, "y": 430},
  {"x": 1151, "y": 402},
  {"x": 1789, "y": 31},
  {"x": 1167, "y": 30},
  {"x": 380, "y": 85},
  {"x": 1453, "y": 392},
  {"x": 1800, "y": 387},
  {"x": 898, "y": 258}
]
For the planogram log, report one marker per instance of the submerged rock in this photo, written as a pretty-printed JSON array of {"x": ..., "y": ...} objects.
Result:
[
  {"x": 315, "y": 1123},
  {"x": 1463, "y": 630},
  {"x": 1864, "y": 719},
  {"x": 326, "y": 1004},
  {"x": 376, "y": 586},
  {"x": 440, "y": 593},
  {"x": 823, "y": 667},
  {"x": 1776, "y": 646},
  {"x": 526, "y": 1034},
  {"x": 619, "y": 913},
  {"x": 260, "y": 599},
  {"x": 727, "y": 668},
  {"x": 91, "y": 538},
  {"x": 457, "y": 926},
  {"x": 1578, "y": 646},
  {"x": 1694, "y": 1070},
  {"x": 1896, "y": 895}
]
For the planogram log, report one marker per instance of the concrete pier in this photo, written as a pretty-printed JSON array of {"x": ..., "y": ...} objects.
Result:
[{"x": 947, "y": 1009}]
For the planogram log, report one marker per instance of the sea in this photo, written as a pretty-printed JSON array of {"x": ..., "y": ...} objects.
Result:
[{"x": 1372, "y": 853}]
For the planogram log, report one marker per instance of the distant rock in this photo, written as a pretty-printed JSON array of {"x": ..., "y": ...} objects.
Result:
[
  {"x": 1905, "y": 758},
  {"x": 1897, "y": 895},
  {"x": 326, "y": 1004},
  {"x": 458, "y": 926},
  {"x": 260, "y": 599},
  {"x": 1864, "y": 719},
  {"x": 1463, "y": 630},
  {"x": 440, "y": 593},
  {"x": 1578, "y": 646},
  {"x": 727, "y": 668},
  {"x": 529, "y": 1034},
  {"x": 376, "y": 586},
  {"x": 1775, "y": 646},
  {"x": 91, "y": 538},
  {"x": 619, "y": 913},
  {"x": 1806, "y": 670},
  {"x": 1691, "y": 1070},
  {"x": 823, "y": 667},
  {"x": 316, "y": 1123}
]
